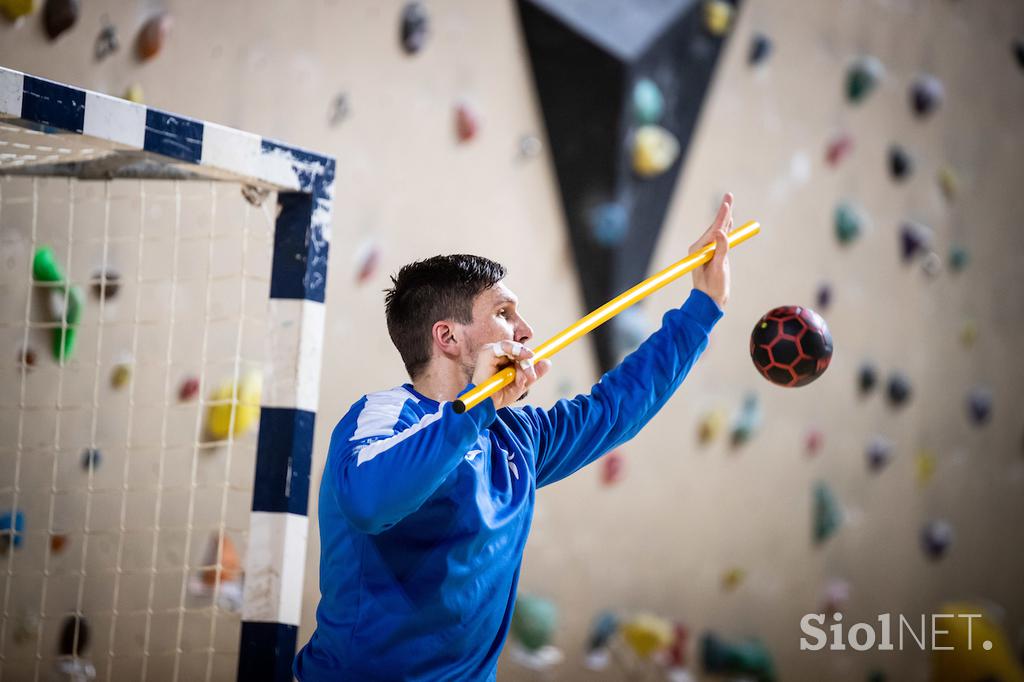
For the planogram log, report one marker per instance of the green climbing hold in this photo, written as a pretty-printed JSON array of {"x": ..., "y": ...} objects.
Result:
[
  {"x": 66, "y": 302},
  {"x": 534, "y": 621},
  {"x": 862, "y": 77},
  {"x": 746, "y": 658},
  {"x": 828, "y": 516},
  {"x": 648, "y": 102},
  {"x": 848, "y": 222},
  {"x": 958, "y": 258}
]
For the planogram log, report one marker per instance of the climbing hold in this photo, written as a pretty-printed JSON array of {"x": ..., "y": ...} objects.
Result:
[
  {"x": 612, "y": 465},
  {"x": 106, "y": 284},
  {"x": 899, "y": 389},
  {"x": 957, "y": 656},
  {"x": 867, "y": 377},
  {"x": 717, "y": 17},
  {"x": 748, "y": 420},
  {"x": 915, "y": 240},
  {"x": 835, "y": 596},
  {"x": 12, "y": 528},
  {"x": 1018, "y": 51},
  {"x": 74, "y": 636},
  {"x": 931, "y": 264},
  {"x": 229, "y": 566},
  {"x": 534, "y": 621},
  {"x": 121, "y": 375},
  {"x": 65, "y": 302},
  {"x": 646, "y": 634},
  {"x": 958, "y": 258},
  {"x": 107, "y": 42},
  {"x": 824, "y": 296},
  {"x": 827, "y": 514},
  {"x": 813, "y": 442},
  {"x": 367, "y": 260},
  {"x": 15, "y": 9},
  {"x": 133, "y": 93},
  {"x": 879, "y": 453},
  {"x": 58, "y": 541},
  {"x": 467, "y": 121},
  {"x": 234, "y": 409},
  {"x": 861, "y": 78},
  {"x": 876, "y": 676},
  {"x": 188, "y": 389},
  {"x": 604, "y": 628},
  {"x": 711, "y": 426},
  {"x": 900, "y": 163},
  {"x": 936, "y": 537},
  {"x": 926, "y": 94},
  {"x": 60, "y": 15},
  {"x": 648, "y": 102},
  {"x": 609, "y": 223},
  {"x": 26, "y": 359},
  {"x": 924, "y": 466},
  {"x": 969, "y": 333},
  {"x": 677, "y": 657},
  {"x": 601, "y": 632},
  {"x": 153, "y": 35},
  {"x": 530, "y": 146},
  {"x": 838, "y": 149},
  {"x": 339, "y": 110},
  {"x": 255, "y": 195},
  {"x": 732, "y": 578},
  {"x": 979, "y": 405},
  {"x": 848, "y": 222},
  {"x": 91, "y": 458},
  {"x": 948, "y": 182},
  {"x": 745, "y": 658},
  {"x": 415, "y": 27},
  {"x": 654, "y": 151},
  {"x": 760, "y": 49}
]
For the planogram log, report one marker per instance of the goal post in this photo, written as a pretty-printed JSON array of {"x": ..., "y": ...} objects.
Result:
[{"x": 101, "y": 154}]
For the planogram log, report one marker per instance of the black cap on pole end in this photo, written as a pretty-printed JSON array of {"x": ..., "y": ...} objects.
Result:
[{"x": 459, "y": 407}]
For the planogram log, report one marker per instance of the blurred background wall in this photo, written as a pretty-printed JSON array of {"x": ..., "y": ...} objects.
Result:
[{"x": 683, "y": 517}]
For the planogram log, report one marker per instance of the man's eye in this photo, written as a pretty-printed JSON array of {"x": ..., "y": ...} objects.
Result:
[{"x": 503, "y": 313}]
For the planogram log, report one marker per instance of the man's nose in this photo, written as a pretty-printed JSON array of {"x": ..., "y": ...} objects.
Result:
[{"x": 524, "y": 332}]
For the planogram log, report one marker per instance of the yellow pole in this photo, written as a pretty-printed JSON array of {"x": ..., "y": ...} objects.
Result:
[{"x": 603, "y": 314}]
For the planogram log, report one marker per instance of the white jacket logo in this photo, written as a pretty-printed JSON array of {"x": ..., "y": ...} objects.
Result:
[{"x": 512, "y": 466}]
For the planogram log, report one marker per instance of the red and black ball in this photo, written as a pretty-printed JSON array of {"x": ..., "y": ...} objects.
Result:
[{"x": 791, "y": 346}]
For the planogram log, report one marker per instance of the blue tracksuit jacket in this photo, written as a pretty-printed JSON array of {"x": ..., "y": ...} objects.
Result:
[{"x": 424, "y": 513}]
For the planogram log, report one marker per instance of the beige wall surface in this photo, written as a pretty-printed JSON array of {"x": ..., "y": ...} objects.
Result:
[{"x": 662, "y": 538}]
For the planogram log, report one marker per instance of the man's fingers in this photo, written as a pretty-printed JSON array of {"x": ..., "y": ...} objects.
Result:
[
  {"x": 723, "y": 219},
  {"x": 721, "y": 248}
]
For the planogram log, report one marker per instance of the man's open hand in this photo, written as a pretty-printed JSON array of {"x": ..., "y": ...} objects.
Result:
[{"x": 713, "y": 277}]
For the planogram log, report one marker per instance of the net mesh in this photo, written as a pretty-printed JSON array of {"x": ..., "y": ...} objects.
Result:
[{"x": 128, "y": 464}]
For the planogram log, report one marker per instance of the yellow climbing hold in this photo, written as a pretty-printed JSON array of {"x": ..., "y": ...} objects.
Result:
[
  {"x": 925, "y": 467},
  {"x": 654, "y": 150},
  {"x": 134, "y": 94},
  {"x": 972, "y": 646},
  {"x": 647, "y": 634},
  {"x": 717, "y": 17},
  {"x": 15, "y": 9},
  {"x": 711, "y": 426},
  {"x": 234, "y": 412}
]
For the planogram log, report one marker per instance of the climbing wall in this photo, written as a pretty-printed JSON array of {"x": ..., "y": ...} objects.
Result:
[{"x": 835, "y": 496}]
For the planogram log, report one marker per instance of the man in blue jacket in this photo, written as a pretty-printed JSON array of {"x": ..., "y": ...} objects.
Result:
[{"x": 424, "y": 513}]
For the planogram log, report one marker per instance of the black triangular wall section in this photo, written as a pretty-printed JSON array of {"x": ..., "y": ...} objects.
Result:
[{"x": 586, "y": 58}]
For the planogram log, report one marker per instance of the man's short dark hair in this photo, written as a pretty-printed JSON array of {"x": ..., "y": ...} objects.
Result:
[{"x": 438, "y": 288}]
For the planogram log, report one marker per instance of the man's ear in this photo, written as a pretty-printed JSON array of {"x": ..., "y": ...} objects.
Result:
[{"x": 445, "y": 337}]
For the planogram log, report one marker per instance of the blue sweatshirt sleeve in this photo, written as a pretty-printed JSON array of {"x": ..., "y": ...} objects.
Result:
[
  {"x": 576, "y": 432},
  {"x": 380, "y": 479}
]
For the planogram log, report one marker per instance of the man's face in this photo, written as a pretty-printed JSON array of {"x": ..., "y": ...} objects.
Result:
[{"x": 495, "y": 318}]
